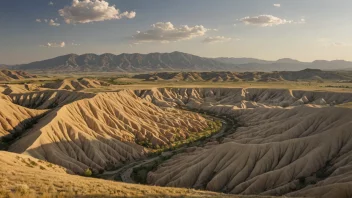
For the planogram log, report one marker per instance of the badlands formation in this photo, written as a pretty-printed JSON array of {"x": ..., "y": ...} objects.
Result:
[
  {"x": 276, "y": 76},
  {"x": 96, "y": 131},
  {"x": 301, "y": 150},
  {"x": 8, "y": 75},
  {"x": 289, "y": 142},
  {"x": 75, "y": 84}
]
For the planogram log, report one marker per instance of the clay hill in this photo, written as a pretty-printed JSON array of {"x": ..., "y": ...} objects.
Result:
[
  {"x": 8, "y": 75},
  {"x": 99, "y": 132},
  {"x": 76, "y": 84},
  {"x": 175, "y": 61},
  {"x": 307, "y": 74},
  {"x": 303, "y": 149}
]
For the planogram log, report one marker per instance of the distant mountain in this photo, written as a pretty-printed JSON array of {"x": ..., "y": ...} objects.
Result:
[
  {"x": 175, "y": 61},
  {"x": 241, "y": 61}
]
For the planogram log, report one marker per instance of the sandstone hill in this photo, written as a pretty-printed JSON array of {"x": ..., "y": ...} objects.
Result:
[{"x": 307, "y": 74}]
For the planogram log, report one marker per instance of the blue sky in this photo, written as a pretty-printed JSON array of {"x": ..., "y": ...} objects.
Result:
[{"x": 302, "y": 29}]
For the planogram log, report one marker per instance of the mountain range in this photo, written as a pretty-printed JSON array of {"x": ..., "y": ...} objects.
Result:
[{"x": 175, "y": 61}]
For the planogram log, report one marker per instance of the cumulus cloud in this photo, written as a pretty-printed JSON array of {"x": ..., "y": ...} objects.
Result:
[
  {"x": 167, "y": 32},
  {"x": 51, "y": 3},
  {"x": 61, "y": 44},
  {"x": 53, "y": 23},
  {"x": 216, "y": 39},
  {"x": 38, "y": 20},
  {"x": 277, "y": 5},
  {"x": 264, "y": 20},
  {"x": 88, "y": 11}
]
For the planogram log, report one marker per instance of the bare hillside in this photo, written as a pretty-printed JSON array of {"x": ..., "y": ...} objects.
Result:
[
  {"x": 277, "y": 76},
  {"x": 295, "y": 151},
  {"x": 75, "y": 84},
  {"x": 104, "y": 131},
  {"x": 8, "y": 75},
  {"x": 14, "y": 119},
  {"x": 27, "y": 177}
]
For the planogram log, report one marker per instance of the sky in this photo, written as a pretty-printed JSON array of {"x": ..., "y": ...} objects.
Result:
[{"x": 305, "y": 30}]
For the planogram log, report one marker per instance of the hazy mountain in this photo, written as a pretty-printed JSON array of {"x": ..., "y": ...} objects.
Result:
[
  {"x": 175, "y": 61},
  {"x": 240, "y": 61},
  {"x": 127, "y": 62}
]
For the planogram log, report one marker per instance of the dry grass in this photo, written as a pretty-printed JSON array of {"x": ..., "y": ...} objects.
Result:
[{"x": 17, "y": 179}]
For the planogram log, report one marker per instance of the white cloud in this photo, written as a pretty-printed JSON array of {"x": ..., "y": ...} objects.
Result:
[
  {"x": 277, "y": 5},
  {"x": 38, "y": 20},
  {"x": 264, "y": 20},
  {"x": 51, "y": 3},
  {"x": 88, "y": 11},
  {"x": 326, "y": 42},
  {"x": 216, "y": 39},
  {"x": 167, "y": 32},
  {"x": 45, "y": 20},
  {"x": 53, "y": 23},
  {"x": 129, "y": 15},
  {"x": 61, "y": 44},
  {"x": 75, "y": 44}
]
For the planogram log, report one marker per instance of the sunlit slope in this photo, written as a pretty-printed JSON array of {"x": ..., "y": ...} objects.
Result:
[
  {"x": 76, "y": 84},
  {"x": 24, "y": 176},
  {"x": 8, "y": 75},
  {"x": 14, "y": 118},
  {"x": 241, "y": 97},
  {"x": 103, "y": 131},
  {"x": 47, "y": 99}
]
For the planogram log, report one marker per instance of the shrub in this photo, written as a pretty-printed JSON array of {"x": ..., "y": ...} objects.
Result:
[{"x": 88, "y": 172}]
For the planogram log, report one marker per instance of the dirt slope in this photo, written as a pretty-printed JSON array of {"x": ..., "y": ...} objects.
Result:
[{"x": 102, "y": 131}]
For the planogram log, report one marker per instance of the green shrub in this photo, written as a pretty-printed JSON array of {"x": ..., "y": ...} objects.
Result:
[{"x": 88, "y": 172}]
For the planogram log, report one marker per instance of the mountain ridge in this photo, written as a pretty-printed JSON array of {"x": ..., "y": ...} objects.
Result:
[{"x": 174, "y": 61}]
